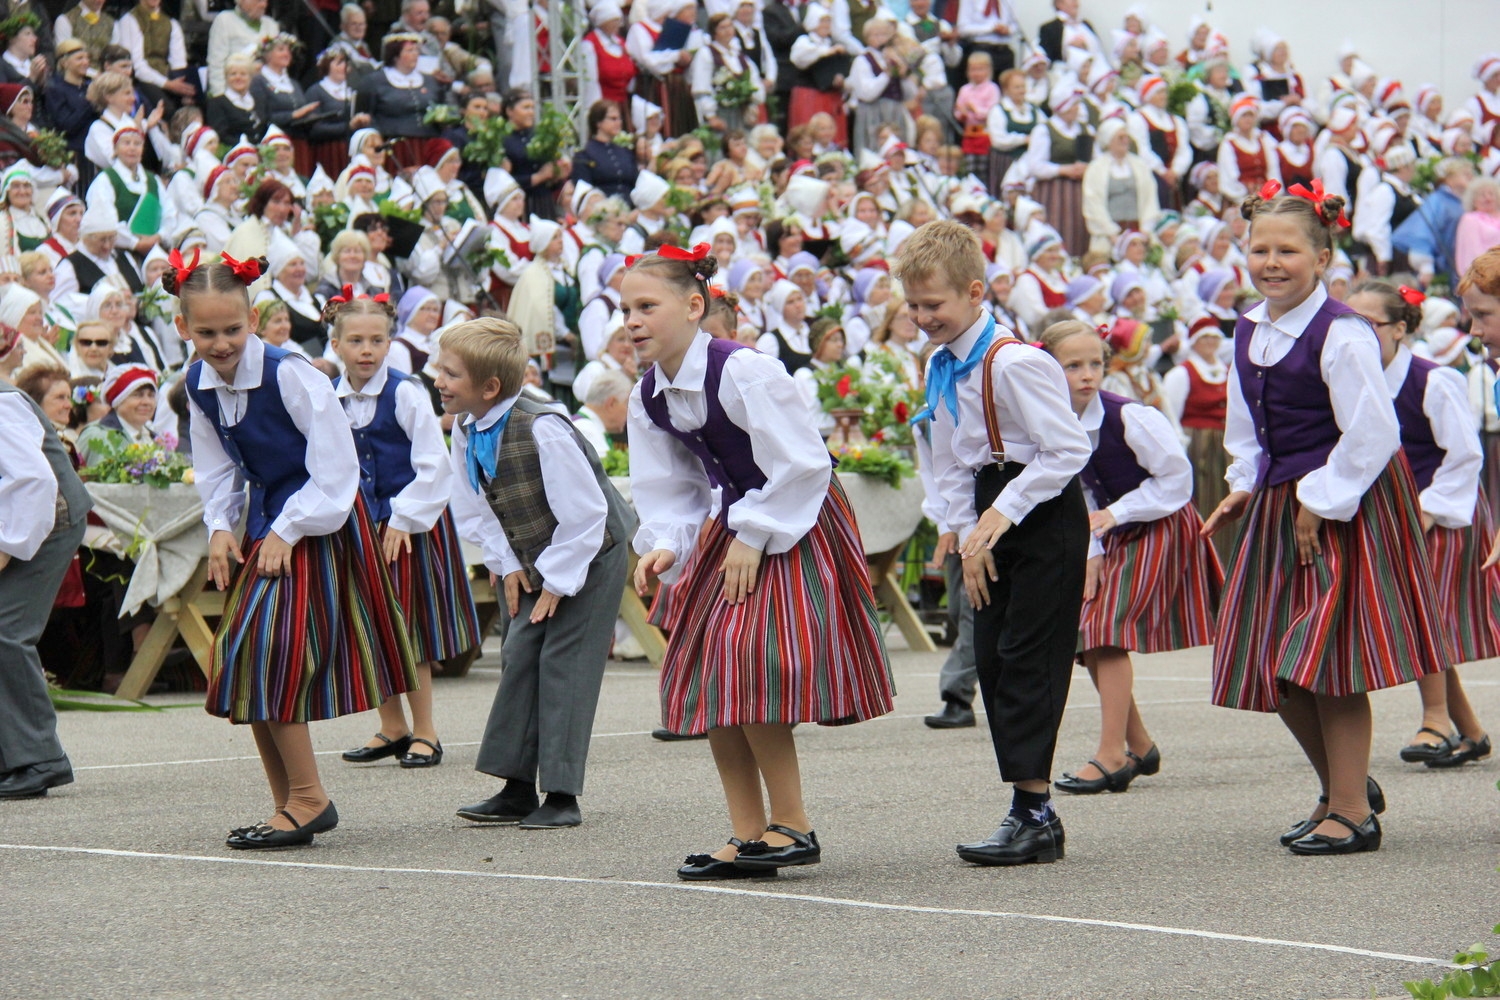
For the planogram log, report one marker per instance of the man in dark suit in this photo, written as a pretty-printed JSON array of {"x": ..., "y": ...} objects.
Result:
[
  {"x": 783, "y": 24},
  {"x": 1067, "y": 30}
]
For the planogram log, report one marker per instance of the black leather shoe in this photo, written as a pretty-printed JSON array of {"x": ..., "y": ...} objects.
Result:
[
  {"x": 1465, "y": 751},
  {"x": 759, "y": 856},
  {"x": 433, "y": 759},
  {"x": 1112, "y": 781},
  {"x": 1017, "y": 843},
  {"x": 668, "y": 736},
  {"x": 557, "y": 812},
  {"x": 1377, "y": 805},
  {"x": 707, "y": 868},
  {"x": 34, "y": 779},
  {"x": 1362, "y": 837},
  {"x": 1417, "y": 753},
  {"x": 389, "y": 748},
  {"x": 1146, "y": 765},
  {"x": 501, "y": 808},
  {"x": 955, "y": 715},
  {"x": 266, "y": 837}
]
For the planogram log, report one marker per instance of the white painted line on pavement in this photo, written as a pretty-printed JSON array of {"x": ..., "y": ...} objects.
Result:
[{"x": 862, "y": 904}]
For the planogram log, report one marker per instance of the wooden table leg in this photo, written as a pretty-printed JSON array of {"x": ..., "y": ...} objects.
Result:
[
  {"x": 888, "y": 593},
  {"x": 637, "y": 615},
  {"x": 164, "y": 631},
  {"x": 487, "y": 604}
]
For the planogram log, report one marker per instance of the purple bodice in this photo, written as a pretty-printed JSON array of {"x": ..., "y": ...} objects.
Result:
[
  {"x": 1112, "y": 470},
  {"x": 1421, "y": 447}
]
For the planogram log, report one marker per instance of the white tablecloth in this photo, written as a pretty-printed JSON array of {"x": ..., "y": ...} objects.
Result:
[
  {"x": 887, "y": 517},
  {"x": 166, "y": 528}
]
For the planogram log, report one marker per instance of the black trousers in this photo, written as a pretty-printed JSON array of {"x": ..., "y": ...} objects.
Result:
[{"x": 1025, "y": 638}]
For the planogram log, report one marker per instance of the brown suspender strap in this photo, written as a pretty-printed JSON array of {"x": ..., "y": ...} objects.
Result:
[{"x": 991, "y": 418}]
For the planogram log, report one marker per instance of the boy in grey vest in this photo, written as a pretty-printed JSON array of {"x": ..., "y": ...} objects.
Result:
[{"x": 531, "y": 492}]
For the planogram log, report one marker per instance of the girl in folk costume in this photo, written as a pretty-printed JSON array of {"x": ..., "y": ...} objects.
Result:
[
  {"x": 22, "y": 227},
  {"x": 1294, "y": 152},
  {"x": 1247, "y": 156},
  {"x": 1042, "y": 287},
  {"x": 1197, "y": 394},
  {"x": 218, "y": 216},
  {"x": 1330, "y": 592},
  {"x": 1153, "y": 581},
  {"x": 1274, "y": 81},
  {"x": 1207, "y": 114},
  {"x": 897, "y": 337},
  {"x": 601, "y": 307},
  {"x": 802, "y": 271},
  {"x": 662, "y": 46},
  {"x": 787, "y": 340},
  {"x": 881, "y": 83},
  {"x": 1437, "y": 435},
  {"x": 745, "y": 209},
  {"x": 611, "y": 72},
  {"x": 513, "y": 238},
  {"x": 577, "y": 234},
  {"x": 64, "y": 217},
  {"x": 1056, "y": 157},
  {"x": 283, "y": 167},
  {"x": 822, "y": 64},
  {"x": 741, "y": 663},
  {"x": 404, "y": 479},
  {"x": 418, "y": 314},
  {"x": 445, "y": 158},
  {"x": 1162, "y": 138},
  {"x": 289, "y": 269},
  {"x": 311, "y": 627},
  {"x": 714, "y": 67},
  {"x": 135, "y": 193},
  {"x": 747, "y": 280},
  {"x": 975, "y": 102},
  {"x": 1485, "y": 104}
]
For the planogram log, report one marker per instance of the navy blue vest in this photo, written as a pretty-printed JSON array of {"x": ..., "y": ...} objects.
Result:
[
  {"x": 1421, "y": 448},
  {"x": 385, "y": 467},
  {"x": 267, "y": 446},
  {"x": 1112, "y": 470}
]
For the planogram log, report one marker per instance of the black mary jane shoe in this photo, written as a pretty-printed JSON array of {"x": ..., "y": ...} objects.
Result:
[
  {"x": 388, "y": 748},
  {"x": 1148, "y": 763},
  {"x": 707, "y": 868},
  {"x": 1465, "y": 751},
  {"x": 759, "y": 856},
  {"x": 433, "y": 759},
  {"x": 266, "y": 837},
  {"x": 1017, "y": 843},
  {"x": 1362, "y": 837},
  {"x": 1373, "y": 791},
  {"x": 666, "y": 735},
  {"x": 1113, "y": 781},
  {"x": 1420, "y": 753}
]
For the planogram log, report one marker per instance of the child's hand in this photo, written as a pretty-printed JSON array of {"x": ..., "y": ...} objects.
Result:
[
  {"x": 653, "y": 563},
  {"x": 1308, "y": 524},
  {"x": 1428, "y": 522},
  {"x": 4, "y": 561},
  {"x": 979, "y": 572},
  {"x": 740, "y": 567},
  {"x": 395, "y": 543},
  {"x": 514, "y": 584},
  {"x": 275, "y": 556},
  {"x": 1231, "y": 508},
  {"x": 992, "y": 524},
  {"x": 546, "y": 606},
  {"x": 947, "y": 544},
  {"x": 221, "y": 548},
  {"x": 1091, "y": 577},
  {"x": 1100, "y": 521}
]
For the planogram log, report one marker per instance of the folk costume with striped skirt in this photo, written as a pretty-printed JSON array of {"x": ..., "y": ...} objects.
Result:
[
  {"x": 1160, "y": 579},
  {"x": 805, "y": 645},
  {"x": 405, "y": 479},
  {"x": 1310, "y": 423},
  {"x": 328, "y": 638}
]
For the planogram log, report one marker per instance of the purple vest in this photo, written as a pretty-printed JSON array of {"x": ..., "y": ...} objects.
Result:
[
  {"x": 720, "y": 444},
  {"x": 1421, "y": 449},
  {"x": 1288, "y": 401},
  {"x": 384, "y": 451},
  {"x": 1112, "y": 470},
  {"x": 267, "y": 446},
  {"x": 892, "y": 90}
]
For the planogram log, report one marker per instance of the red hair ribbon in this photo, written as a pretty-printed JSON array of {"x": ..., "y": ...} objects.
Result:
[
  {"x": 1317, "y": 196},
  {"x": 382, "y": 298},
  {"x": 717, "y": 293},
  {"x": 174, "y": 259},
  {"x": 1270, "y": 189},
  {"x": 1411, "y": 296},
  {"x": 247, "y": 271},
  {"x": 691, "y": 256},
  {"x": 346, "y": 294},
  {"x": 1102, "y": 329},
  {"x": 630, "y": 259}
]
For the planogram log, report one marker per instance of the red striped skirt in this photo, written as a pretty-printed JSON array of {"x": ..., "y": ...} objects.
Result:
[
  {"x": 1468, "y": 596},
  {"x": 1362, "y": 617},
  {"x": 328, "y": 639},
  {"x": 1062, "y": 197},
  {"x": 1158, "y": 587},
  {"x": 806, "y": 102},
  {"x": 804, "y": 647},
  {"x": 432, "y": 588}
]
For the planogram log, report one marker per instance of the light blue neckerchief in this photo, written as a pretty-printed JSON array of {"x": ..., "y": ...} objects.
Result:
[
  {"x": 946, "y": 371},
  {"x": 484, "y": 451}
]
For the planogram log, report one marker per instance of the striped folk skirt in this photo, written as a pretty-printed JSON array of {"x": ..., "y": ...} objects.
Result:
[
  {"x": 805, "y": 646},
  {"x": 1364, "y": 616},
  {"x": 1062, "y": 197},
  {"x": 1468, "y": 596},
  {"x": 432, "y": 588},
  {"x": 1158, "y": 587},
  {"x": 328, "y": 639},
  {"x": 1210, "y": 461}
]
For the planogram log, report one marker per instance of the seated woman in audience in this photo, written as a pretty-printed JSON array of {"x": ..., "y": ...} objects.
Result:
[
  {"x": 334, "y": 120},
  {"x": 896, "y": 337},
  {"x": 88, "y": 355},
  {"x": 618, "y": 356},
  {"x": 288, "y": 271},
  {"x": 130, "y": 391},
  {"x": 397, "y": 96},
  {"x": 219, "y": 216},
  {"x": 286, "y": 103},
  {"x": 345, "y": 264},
  {"x": 241, "y": 110}
]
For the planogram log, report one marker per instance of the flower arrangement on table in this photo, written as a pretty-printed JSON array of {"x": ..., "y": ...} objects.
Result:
[
  {"x": 157, "y": 464},
  {"x": 871, "y": 406}
]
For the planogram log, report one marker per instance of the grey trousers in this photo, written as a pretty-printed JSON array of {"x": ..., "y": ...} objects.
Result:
[
  {"x": 543, "y": 717},
  {"x": 959, "y": 677},
  {"x": 28, "y": 725}
]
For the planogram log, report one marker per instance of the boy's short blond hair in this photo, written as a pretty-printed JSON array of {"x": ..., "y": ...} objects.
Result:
[
  {"x": 945, "y": 250},
  {"x": 489, "y": 348}
]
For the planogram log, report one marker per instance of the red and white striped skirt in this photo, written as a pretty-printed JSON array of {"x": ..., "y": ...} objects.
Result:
[
  {"x": 805, "y": 646},
  {"x": 1364, "y": 616},
  {"x": 1468, "y": 596},
  {"x": 1158, "y": 587},
  {"x": 432, "y": 587}
]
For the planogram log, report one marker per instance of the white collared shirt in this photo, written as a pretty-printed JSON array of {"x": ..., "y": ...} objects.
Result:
[
  {"x": 671, "y": 488},
  {"x": 1157, "y": 448},
  {"x": 573, "y": 495},
  {"x": 281, "y": 83},
  {"x": 323, "y": 504},
  {"x": 422, "y": 501},
  {"x": 28, "y": 486},
  {"x": 1453, "y": 494},
  {"x": 1361, "y": 404},
  {"x": 403, "y": 81},
  {"x": 1037, "y": 429}
]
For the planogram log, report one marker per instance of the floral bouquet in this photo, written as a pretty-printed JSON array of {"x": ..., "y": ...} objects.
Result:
[
  {"x": 157, "y": 464},
  {"x": 873, "y": 460},
  {"x": 733, "y": 90},
  {"x": 52, "y": 147}
]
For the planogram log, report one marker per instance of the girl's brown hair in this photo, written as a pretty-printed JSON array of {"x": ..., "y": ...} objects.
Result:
[
  {"x": 214, "y": 277},
  {"x": 1319, "y": 220},
  {"x": 1397, "y": 309},
  {"x": 686, "y": 277},
  {"x": 1054, "y": 335},
  {"x": 336, "y": 313}
]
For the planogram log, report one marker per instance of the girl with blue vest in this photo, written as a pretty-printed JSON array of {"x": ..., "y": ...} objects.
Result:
[
  {"x": 777, "y": 621},
  {"x": 404, "y": 477},
  {"x": 311, "y": 628},
  {"x": 1439, "y": 438},
  {"x": 1153, "y": 581},
  {"x": 1329, "y": 595}
]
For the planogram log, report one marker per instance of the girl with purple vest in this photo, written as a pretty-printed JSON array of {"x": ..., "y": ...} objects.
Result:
[
  {"x": 311, "y": 629},
  {"x": 1329, "y": 595},
  {"x": 1153, "y": 581},
  {"x": 404, "y": 476},
  {"x": 1438, "y": 436},
  {"x": 777, "y": 621}
]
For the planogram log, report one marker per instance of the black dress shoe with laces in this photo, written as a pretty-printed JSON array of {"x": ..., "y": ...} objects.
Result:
[
  {"x": 33, "y": 780},
  {"x": 1373, "y": 791},
  {"x": 759, "y": 856},
  {"x": 955, "y": 715},
  {"x": 266, "y": 837},
  {"x": 1017, "y": 843},
  {"x": 1111, "y": 781},
  {"x": 707, "y": 868},
  {"x": 1362, "y": 837},
  {"x": 387, "y": 748}
]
